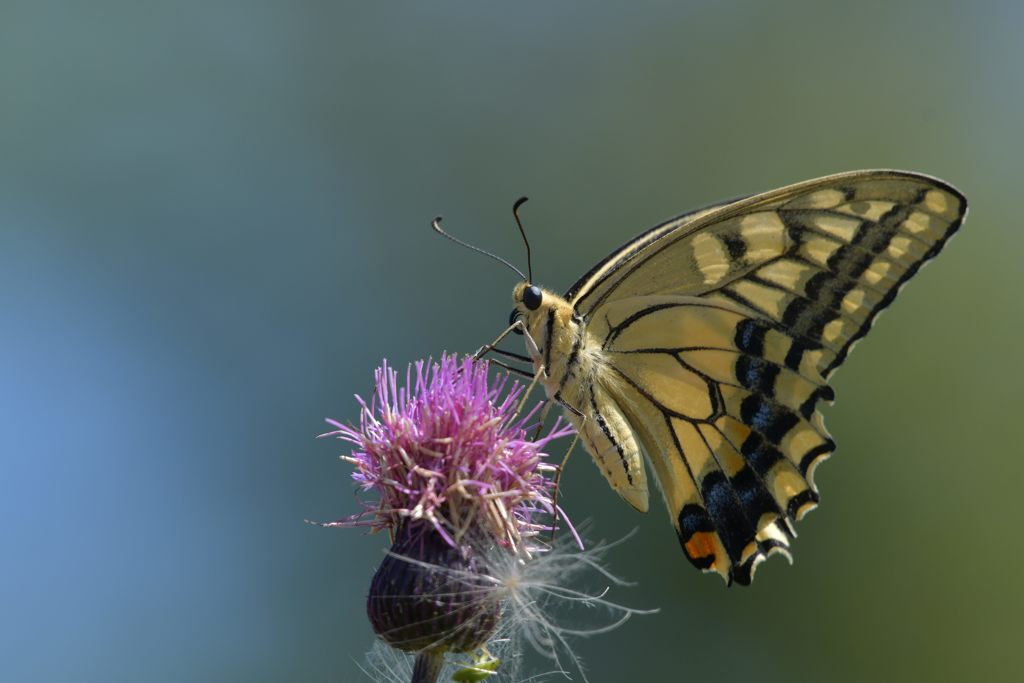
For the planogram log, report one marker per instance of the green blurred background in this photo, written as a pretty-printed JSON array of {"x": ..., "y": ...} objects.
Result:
[{"x": 214, "y": 223}]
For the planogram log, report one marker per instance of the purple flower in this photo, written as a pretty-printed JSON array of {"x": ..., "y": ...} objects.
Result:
[{"x": 449, "y": 448}]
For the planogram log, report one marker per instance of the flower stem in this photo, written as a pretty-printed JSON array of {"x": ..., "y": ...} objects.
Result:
[{"x": 427, "y": 667}]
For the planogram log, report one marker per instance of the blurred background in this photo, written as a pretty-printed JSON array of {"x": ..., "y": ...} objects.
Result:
[{"x": 214, "y": 223}]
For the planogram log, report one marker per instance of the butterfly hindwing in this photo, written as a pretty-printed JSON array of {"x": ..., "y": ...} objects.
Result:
[
  {"x": 720, "y": 329},
  {"x": 723, "y": 427}
]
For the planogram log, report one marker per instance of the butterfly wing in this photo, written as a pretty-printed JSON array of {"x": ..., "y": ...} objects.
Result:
[{"x": 721, "y": 328}]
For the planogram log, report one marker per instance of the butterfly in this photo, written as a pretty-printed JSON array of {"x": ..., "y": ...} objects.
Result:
[{"x": 707, "y": 343}]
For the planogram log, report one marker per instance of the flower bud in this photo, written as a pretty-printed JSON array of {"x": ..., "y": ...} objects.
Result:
[{"x": 429, "y": 595}]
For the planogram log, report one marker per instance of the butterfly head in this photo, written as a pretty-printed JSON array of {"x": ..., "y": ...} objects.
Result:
[
  {"x": 529, "y": 299},
  {"x": 534, "y": 306}
]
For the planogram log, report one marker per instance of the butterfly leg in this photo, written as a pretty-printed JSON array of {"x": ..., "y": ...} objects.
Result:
[
  {"x": 558, "y": 481},
  {"x": 514, "y": 370},
  {"x": 571, "y": 408},
  {"x": 487, "y": 348},
  {"x": 543, "y": 418},
  {"x": 514, "y": 356},
  {"x": 529, "y": 390},
  {"x": 531, "y": 346}
]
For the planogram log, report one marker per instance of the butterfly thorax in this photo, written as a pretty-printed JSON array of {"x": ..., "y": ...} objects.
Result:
[{"x": 558, "y": 344}]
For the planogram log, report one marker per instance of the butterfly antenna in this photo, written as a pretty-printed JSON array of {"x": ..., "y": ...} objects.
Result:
[
  {"x": 437, "y": 228},
  {"x": 515, "y": 212}
]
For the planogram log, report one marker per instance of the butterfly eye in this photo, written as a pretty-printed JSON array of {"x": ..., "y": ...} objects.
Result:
[
  {"x": 512, "y": 318},
  {"x": 531, "y": 297}
]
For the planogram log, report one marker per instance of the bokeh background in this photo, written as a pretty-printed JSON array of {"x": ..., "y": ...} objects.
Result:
[{"x": 214, "y": 223}]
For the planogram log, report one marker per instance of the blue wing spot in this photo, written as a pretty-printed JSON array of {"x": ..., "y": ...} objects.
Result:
[
  {"x": 757, "y": 374},
  {"x": 750, "y": 337},
  {"x": 771, "y": 420},
  {"x": 760, "y": 454},
  {"x": 756, "y": 412},
  {"x": 724, "y": 509}
]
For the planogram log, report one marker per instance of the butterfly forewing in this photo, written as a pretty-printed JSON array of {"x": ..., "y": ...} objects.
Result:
[{"x": 718, "y": 331}]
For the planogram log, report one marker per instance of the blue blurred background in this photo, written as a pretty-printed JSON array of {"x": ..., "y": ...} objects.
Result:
[{"x": 214, "y": 223}]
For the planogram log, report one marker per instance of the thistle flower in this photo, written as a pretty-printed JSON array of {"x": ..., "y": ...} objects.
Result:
[
  {"x": 462, "y": 490},
  {"x": 451, "y": 450}
]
